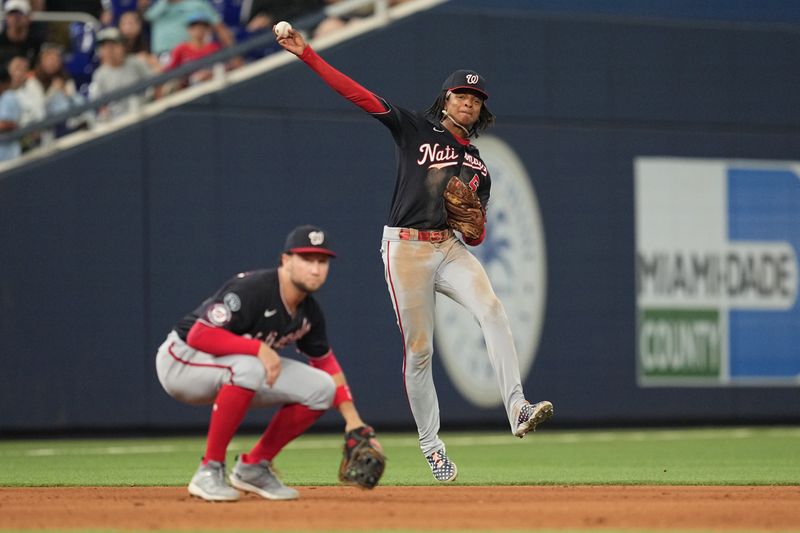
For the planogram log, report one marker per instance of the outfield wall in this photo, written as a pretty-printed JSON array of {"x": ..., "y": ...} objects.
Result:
[{"x": 643, "y": 231}]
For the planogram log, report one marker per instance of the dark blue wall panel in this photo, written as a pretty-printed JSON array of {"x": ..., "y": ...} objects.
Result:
[{"x": 72, "y": 299}]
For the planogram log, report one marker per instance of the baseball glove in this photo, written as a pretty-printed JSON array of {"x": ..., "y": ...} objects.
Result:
[
  {"x": 362, "y": 464},
  {"x": 464, "y": 211}
]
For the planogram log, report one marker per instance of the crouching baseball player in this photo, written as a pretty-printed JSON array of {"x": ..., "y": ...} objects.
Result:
[{"x": 223, "y": 354}]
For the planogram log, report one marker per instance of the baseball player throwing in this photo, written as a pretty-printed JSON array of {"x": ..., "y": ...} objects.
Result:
[
  {"x": 223, "y": 353},
  {"x": 421, "y": 254}
]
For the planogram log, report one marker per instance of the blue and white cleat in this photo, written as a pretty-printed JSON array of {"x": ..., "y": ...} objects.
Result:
[{"x": 531, "y": 415}]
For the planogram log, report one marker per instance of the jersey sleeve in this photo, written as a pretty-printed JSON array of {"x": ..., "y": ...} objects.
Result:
[
  {"x": 396, "y": 119},
  {"x": 315, "y": 342},
  {"x": 219, "y": 341},
  {"x": 342, "y": 84},
  {"x": 235, "y": 307},
  {"x": 226, "y": 320}
]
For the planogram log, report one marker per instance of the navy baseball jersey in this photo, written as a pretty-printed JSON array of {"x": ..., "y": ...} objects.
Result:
[
  {"x": 428, "y": 154},
  {"x": 250, "y": 305}
]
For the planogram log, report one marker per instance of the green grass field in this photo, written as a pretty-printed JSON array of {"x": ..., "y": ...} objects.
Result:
[{"x": 727, "y": 456}]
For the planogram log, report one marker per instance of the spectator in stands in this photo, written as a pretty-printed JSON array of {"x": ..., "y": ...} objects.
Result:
[
  {"x": 31, "y": 101},
  {"x": 198, "y": 45},
  {"x": 54, "y": 84},
  {"x": 258, "y": 16},
  {"x": 117, "y": 70},
  {"x": 135, "y": 39},
  {"x": 18, "y": 37},
  {"x": 168, "y": 18},
  {"x": 10, "y": 114}
]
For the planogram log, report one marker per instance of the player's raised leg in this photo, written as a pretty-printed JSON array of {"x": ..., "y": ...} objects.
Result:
[{"x": 463, "y": 279}]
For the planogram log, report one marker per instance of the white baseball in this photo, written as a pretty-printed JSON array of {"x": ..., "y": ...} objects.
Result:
[{"x": 282, "y": 29}]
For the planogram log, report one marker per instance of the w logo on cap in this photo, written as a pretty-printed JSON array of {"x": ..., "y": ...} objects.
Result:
[
  {"x": 466, "y": 80},
  {"x": 316, "y": 238}
]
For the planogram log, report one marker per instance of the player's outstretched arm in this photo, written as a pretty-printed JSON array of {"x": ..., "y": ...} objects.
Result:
[{"x": 292, "y": 41}]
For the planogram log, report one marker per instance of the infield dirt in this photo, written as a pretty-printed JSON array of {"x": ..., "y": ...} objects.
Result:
[{"x": 411, "y": 508}]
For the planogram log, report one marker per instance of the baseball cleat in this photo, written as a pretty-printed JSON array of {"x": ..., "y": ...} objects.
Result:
[
  {"x": 209, "y": 484},
  {"x": 531, "y": 415},
  {"x": 442, "y": 467},
  {"x": 259, "y": 478}
]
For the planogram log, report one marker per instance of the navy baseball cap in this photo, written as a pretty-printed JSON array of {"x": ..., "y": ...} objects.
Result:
[
  {"x": 466, "y": 80},
  {"x": 308, "y": 239}
]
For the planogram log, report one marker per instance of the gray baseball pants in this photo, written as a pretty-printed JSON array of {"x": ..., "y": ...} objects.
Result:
[
  {"x": 195, "y": 377},
  {"x": 415, "y": 270}
]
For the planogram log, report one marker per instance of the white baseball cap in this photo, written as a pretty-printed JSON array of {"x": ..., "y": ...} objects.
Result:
[
  {"x": 23, "y": 6},
  {"x": 109, "y": 34}
]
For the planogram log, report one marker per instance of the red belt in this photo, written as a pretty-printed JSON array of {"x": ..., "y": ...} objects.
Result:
[{"x": 437, "y": 235}]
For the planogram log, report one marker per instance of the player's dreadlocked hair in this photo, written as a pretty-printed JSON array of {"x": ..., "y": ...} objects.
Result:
[{"x": 485, "y": 117}]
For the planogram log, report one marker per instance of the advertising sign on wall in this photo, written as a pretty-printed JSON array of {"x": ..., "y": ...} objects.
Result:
[{"x": 717, "y": 272}]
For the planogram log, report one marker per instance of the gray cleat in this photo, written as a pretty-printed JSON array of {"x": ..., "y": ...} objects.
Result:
[
  {"x": 209, "y": 484},
  {"x": 260, "y": 479},
  {"x": 531, "y": 415}
]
